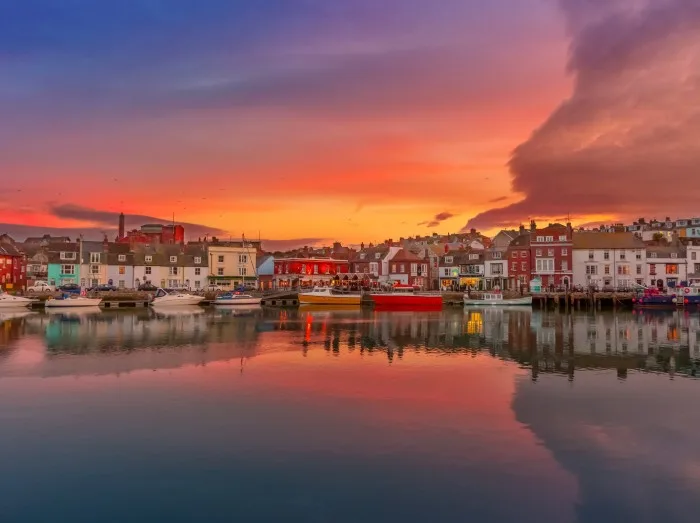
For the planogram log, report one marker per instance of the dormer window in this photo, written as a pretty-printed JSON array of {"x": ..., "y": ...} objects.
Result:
[
  {"x": 67, "y": 255},
  {"x": 362, "y": 255},
  {"x": 448, "y": 259},
  {"x": 674, "y": 255},
  {"x": 122, "y": 257},
  {"x": 540, "y": 239},
  {"x": 197, "y": 259},
  {"x": 377, "y": 255},
  {"x": 173, "y": 259},
  {"x": 148, "y": 259}
]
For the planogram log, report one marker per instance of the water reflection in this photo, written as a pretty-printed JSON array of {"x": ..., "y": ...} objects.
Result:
[{"x": 666, "y": 341}]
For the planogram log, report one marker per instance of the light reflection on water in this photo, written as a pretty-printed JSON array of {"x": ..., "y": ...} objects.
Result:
[{"x": 349, "y": 415}]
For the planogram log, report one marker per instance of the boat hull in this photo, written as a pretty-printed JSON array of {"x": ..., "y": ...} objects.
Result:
[
  {"x": 407, "y": 301},
  {"x": 167, "y": 301},
  {"x": 18, "y": 303},
  {"x": 238, "y": 301},
  {"x": 72, "y": 303},
  {"x": 512, "y": 302},
  {"x": 648, "y": 302},
  {"x": 309, "y": 299}
]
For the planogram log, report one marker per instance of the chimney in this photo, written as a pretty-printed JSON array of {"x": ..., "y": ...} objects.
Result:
[
  {"x": 121, "y": 225},
  {"x": 362, "y": 246},
  {"x": 521, "y": 230},
  {"x": 569, "y": 230},
  {"x": 105, "y": 244},
  {"x": 472, "y": 231},
  {"x": 533, "y": 226}
]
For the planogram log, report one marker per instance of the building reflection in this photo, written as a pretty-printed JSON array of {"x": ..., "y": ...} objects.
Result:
[{"x": 544, "y": 342}]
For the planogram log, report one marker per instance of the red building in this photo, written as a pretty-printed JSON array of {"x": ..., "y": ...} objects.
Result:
[
  {"x": 409, "y": 269},
  {"x": 519, "y": 268},
  {"x": 13, "y": 268},
  {"x": 551, "y": 254},
  {"x": 153, "y": 234},
  {"x": 369, "y": 261},
  {"x": 293, "y": 272}
]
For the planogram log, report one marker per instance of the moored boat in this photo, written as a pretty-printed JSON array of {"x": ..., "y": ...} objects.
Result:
[
  {"x": 328, "y": 296},
  {"x": 406, "y": 297},
  {"x": 164, "y": 298},
  {"x": 8, "y": 301},
  {"x": 495, "y": 298},
  {"x": 652, "y": 298},
  {"x": 236, "y": 298},
  {"x": 71, "y": 301}
]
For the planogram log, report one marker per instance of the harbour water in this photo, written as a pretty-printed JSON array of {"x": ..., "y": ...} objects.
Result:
[{"x": 350, "y": 415}]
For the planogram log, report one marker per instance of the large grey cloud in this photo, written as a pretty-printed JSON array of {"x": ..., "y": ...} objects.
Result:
[{"x": 627, "y": 141}]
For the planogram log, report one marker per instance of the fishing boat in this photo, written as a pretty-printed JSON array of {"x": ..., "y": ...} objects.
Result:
[
  {"x": 688, "y": 295},
  {"x": 164, "y": 298},
  {"x": 406, "y": 297},
  {"x": 495, "y": 298},
  {"x": 328, "y": 296},
  {"x": 236, "y": 298},
  {"x": 8, "y": 301},
  {"x": 654, "y": 298},
  {"x": 71, "y": 301}
]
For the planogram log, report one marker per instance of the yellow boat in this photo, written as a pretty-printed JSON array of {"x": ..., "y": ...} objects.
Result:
[{"x": 327, "y": 296}]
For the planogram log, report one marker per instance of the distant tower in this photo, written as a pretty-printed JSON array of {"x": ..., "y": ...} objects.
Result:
[{"x": 121, "y": 225}]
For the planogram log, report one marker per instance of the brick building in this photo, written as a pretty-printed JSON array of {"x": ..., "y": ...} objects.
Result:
[
  {"x": 551, "y": 250},
  {"x": 518, "y": 258}
]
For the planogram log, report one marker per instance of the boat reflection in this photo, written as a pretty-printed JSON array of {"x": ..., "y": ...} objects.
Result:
[{"x": 543, "y": 341}]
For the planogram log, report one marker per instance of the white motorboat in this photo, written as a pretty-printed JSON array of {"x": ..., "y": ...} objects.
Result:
[
  {"x": 496, "y": 298},
  {"x": 164, "y": 298},
  {"x": 8, "y": 301},
  {"x": 67, "y": 301},
  {"x": 236, "y": 298}
]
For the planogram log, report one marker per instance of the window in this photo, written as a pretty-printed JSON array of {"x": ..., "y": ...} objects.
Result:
[
  {"x": 402, "y": 268},
  {"x": 393, "y": 267},
  {"x": 607, "y": 269},
  {"x": 623, "y": 256},
  {"x": 362, "y": 255},
  {"x": 496, "y": 255},
  {"x": 414, "y": 269},
  {"x": 448, "y": 259},
  {"x": 197, "y": 259},
  {"x": 674, "y": 255},
  {"x": 545, "y": 265},
  {"x": 67, "y": 269},
  {"x": 243, "y": 271},
  {"x": 445, "y": 271},
  {"x": 377, "y": 255},
  {"x": 623, "y": 270},
  {"x": 591, "y": 269},
  {"x": 523, "y": 266},
  {"x": 562, "y": 238},
  {"x": 220, "y": 259},
  {"x": 540, "y": 239},
  {"x": 550, "y": 252},
  {"x": 122, "y": 269},
  {"x": 148, "y": 259},
  {"x": 549, "y": 238},
  {"x": 693, "y": 255},
  {"x": 564, "y": 265},
  {"x": 606, "y": 255},
  {"x": 514, "y": 254},
  {"x": 424, "y": 269},
  {"x": 565, "y": 252},
  {"x": 652, "y": 255},
  {"x": 496, "y": 268},
  {"x": 197, "y": 284},
  {"x": 514, "y": 266},
  {"x": 638, "y": 254},
  {"x": 122, "y": 284},
  {"x": 220, "y": 271},
  {"x": 121, "y": 258},
  {"x": 538, "y": 252},
  {"x": 639, "y": 281},
  {"x": 173, "y": 259},
  {"x": 68, "y": 256},
  {"x": 172, "y": 271},
  {"x": 94, "y": 269},
  {"x": 590, "y": 254},
  {"x": 197, "y": 271},
  {"x": 147, "y": 270},
  {"x": 523, "y": 254},
  {"x": 242, "y": 258},
  {"x": 473, "y": 256},
  {"x": 94, "y": 257},
  {"x": 697, "y": 270},
  {"x": 639, "y": 269},
  {"x": 671, "y": 268},
  {"x": 357, "y": 268},
  {"x": 374, "y": 267}
]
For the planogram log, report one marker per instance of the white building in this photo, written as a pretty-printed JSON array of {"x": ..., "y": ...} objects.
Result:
[
  {"x": 603, "y": 259},
  {"x": 120, "y": 267},
  {"x": 495, "y": 268},
  {"x": 667, "y": 266},
  {"x": 693, "y": 263}
]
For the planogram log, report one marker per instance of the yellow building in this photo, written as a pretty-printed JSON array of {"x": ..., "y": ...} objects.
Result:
[{"x": 233, "y": 263}]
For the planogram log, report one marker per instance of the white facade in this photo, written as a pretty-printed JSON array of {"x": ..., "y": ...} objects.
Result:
[
  {"x": 693, "y": 264},
  {"x": 385, "y": 276},
  {"x": 664, "y": 268},
  {"x": 196, "y": 277},
  {"x": 618, "y": 268},
  {"x": 496, "y": 269}
]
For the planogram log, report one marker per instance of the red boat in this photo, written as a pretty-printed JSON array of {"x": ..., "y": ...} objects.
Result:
[{"x": 406, "y": 297}]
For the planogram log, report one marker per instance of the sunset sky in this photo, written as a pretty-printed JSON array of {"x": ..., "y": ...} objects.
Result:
[{"x": 350, "y": 120}]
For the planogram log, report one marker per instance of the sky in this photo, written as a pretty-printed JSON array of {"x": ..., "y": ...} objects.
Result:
[{"x": 312, "y": 121}]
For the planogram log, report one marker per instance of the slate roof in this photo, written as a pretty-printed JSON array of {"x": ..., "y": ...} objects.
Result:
[{"x": 607, "y": 240}]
